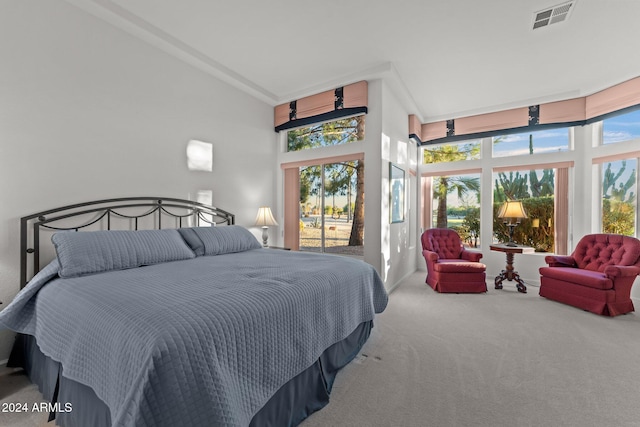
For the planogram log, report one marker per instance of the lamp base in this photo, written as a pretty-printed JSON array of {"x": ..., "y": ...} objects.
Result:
[
  {"x": 265, "y": 236},
  {"x": 511, "y": 243}
]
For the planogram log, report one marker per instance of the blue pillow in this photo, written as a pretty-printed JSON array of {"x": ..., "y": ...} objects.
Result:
[
  {"x": 226, "y": 240},
  {"x": 193, "y": 241},
  {"x": 82, "y": 253}
]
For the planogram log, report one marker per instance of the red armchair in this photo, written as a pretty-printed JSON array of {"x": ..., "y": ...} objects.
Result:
[
  {"x": 597, "y": 276},
  {"x": 450, "y": 267}
]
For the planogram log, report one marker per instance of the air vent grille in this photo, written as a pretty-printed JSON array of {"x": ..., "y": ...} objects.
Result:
[{"x": 552, "y": 15}]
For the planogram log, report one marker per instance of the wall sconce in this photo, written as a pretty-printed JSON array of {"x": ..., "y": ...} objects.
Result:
[
  {"x": 512, "y": 209},
  {"x": 535, "y": 223},
  {"x": 265, "y": 219}
]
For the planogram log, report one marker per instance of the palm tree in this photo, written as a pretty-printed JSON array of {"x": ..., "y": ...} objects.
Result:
[{"x": 446, "y": 185}]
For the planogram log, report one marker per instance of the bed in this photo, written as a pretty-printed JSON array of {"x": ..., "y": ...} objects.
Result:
[{"x": 182, "y": 317}]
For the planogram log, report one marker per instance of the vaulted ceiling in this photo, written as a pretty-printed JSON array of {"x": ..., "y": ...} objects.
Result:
[{"x": 450, "y": 58}]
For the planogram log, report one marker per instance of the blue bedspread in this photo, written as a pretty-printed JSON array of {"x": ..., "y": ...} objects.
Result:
[{"x": 198, "y": 342}]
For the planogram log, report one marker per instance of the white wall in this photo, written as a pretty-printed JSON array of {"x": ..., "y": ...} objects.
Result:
[
  {"x": 89, "y": 112},
  {"x": 398, "y": 240},
  {"x": 374, "y": 235}
]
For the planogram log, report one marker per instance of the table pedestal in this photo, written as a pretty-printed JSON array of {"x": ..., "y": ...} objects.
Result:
[{"x": 509, "y": 272}]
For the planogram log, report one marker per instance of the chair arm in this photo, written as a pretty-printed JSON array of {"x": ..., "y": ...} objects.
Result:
[
  {"x": 613, "y": 271},
  {"x": 430, "y": 256},
  {"x": 560, "y": 261},
  {"x": 471, "y": 255}
]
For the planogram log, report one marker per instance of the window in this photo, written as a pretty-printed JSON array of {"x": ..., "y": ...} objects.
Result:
[
  {"x": 332, "y": 208},
  {"x": 544, "y": 141},
  {"x": 456, "y": 205},
  {"x": 625, "y": 127},
  {"x": 619, "y": 196},
  {"x": 337, "y": 132},
  {"x": 536, "y": 190},
  {"x": 468, "y": 150}
]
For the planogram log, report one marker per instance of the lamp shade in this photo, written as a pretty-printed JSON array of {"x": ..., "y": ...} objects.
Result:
[
  {"x": 512, "y": 209},
  {"x": 265, "y": 217}
]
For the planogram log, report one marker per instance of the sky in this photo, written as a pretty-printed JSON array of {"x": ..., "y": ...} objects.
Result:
[
  {"x": 544, "y": 141},
  {"x": 621, "y": 128}
]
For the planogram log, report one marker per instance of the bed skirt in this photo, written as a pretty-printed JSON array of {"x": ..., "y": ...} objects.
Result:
[{"x": 78, "y": 406}]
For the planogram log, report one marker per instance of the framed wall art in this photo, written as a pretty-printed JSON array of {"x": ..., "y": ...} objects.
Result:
[{"x": 396, "y": 193}]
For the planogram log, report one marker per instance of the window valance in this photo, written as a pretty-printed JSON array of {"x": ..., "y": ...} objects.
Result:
[
  {"x": 572, "y": 112},
  {"x": 329, "y": 105}
]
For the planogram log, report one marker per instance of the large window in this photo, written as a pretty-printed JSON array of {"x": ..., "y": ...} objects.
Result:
[
  {"x": 563, "y": 196},
  {"x": 544, "y": 141},
  {"x": 337, "y": 132},
  {"x": 456, "y": 205},
  {"x": 332, "y": 208},
  {"x": 619, "y": 196},
  {"x": 625, "y": 127},
  {"x": 536, "y": 190}
]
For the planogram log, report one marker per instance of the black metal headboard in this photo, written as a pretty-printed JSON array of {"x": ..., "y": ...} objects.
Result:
[{"x": 131, "y": 212}]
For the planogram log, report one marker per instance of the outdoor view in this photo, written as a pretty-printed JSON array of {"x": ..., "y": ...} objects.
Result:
[
  {"x": 619, "y": 193},
  {"x": 544, "y": 141},
  {"x": 619, "y": 178},
  {"x": 331, "y": 195},
  {"x": 624, "y": 127},
  {"x": 535, "y": 188},
  {"x": 456, "y": 198},
  {"x": 456, "y": 205}
]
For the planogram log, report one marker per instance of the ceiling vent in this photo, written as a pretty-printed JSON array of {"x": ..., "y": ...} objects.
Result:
[{"x": 552, "y": 15}]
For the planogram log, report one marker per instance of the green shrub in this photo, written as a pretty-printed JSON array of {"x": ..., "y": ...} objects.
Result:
[
  {"x": 542, "y": 237},
  {"x": 618, "y": 217}
]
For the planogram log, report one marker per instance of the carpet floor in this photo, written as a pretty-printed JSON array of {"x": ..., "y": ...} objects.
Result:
[{"x": 501, "y": 358}]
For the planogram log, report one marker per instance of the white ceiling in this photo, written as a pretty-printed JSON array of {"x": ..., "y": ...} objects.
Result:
[{"x": 452, "y": 58}]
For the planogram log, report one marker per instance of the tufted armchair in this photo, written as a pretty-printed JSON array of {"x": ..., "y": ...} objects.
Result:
[
  {"x": 450, "y": 267},
  {"x": 597, "y": 276}
]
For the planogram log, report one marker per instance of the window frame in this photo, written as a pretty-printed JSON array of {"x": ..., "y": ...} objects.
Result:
[
  {"x": 287, "y": 131},
  {"x": 598, "y": 172},
  {"x": 487, "y": 164}
]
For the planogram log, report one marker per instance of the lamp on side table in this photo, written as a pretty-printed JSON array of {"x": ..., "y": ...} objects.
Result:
[
  {"x": 265, "y": 219},
  {"x": 512, "y": 209}
]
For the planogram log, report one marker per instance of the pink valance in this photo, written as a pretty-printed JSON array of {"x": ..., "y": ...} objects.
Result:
[
  {"x": 329, "y": 105},
  {"x": 506, "y": 119},
  {"x": 436, "y": 130},
  {"x": 623, "y": 95},
  {"x": 314, "y": 105},
  {"x": 571, "y": 110},
  {"x": 576, "y": 111},
  {"x": 415, "y": 127},
  {"x": 356, "y": 95}
]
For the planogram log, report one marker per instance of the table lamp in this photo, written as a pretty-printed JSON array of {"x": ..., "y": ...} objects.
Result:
[
  {"x": 264, "y": 220},
  {"x": 512, "y": 209}
]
